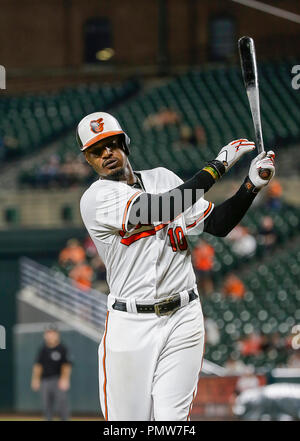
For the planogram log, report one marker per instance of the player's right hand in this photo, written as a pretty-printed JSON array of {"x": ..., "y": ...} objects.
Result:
[
  {"x": 262, "y": 161},
  {"x": 233, "y": 151}
]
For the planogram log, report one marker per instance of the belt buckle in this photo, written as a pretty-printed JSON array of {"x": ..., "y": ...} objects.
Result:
[{"x": 157, "y": 307}]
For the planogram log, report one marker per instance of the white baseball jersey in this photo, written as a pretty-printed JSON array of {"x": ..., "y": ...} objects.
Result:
[
  {"x": 148, "y": 365},
  {"x": 148, "y": 261}
]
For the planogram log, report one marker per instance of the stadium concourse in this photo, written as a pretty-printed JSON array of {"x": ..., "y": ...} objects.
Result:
[{"x": 179, "y": 124}]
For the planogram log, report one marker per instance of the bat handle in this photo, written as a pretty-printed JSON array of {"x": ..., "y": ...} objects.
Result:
[{"x": 264, "y": 173}]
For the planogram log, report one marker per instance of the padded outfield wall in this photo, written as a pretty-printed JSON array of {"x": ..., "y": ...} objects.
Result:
[{"x": 42, "y": 246}]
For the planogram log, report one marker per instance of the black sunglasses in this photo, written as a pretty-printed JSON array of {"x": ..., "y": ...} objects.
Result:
[{"x": 114, "y": 143}]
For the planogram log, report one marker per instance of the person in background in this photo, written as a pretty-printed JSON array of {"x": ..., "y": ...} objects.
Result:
[
  {"x": 73, "y": 254},
  {"x": 233, "y": 286},
  {"x": 294, "y": 360},
  {"x": 245, "y": 245},
  {"x": 200, "y": 136},
  {"x": 212, "y": 333},
  {"x": 51, "y": 375},
  {"x": 187, "y": 138},
  {"x": 48, "y": 173},
  {"x": 235, "y": 366},
  {"x": 247, "y": 381},
  {"x": 82, "y": 276},
  {"x": 251, "y": 345},
  {"x": 267, "y": 236},
  {"x": 234, "y": 235},
  {"x": 203, "y": 261},
  {"x": 11, "y": 146},
  {"x": 162, "y": 118},
  {"x": 89, "y": 247},
  {"x": 190, "y": 137},
  {"x": 100, "y": 274},
  {"x": 273, "y": 199}
]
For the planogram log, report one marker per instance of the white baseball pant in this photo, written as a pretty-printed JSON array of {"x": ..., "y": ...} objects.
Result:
[{"x": 149, "y": 366}]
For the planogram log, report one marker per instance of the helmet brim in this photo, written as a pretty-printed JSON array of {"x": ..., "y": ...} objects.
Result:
[{"x": 98, "y": 138}]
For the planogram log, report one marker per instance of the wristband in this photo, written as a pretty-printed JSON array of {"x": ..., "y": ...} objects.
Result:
[
  {"x": 249, "y": 186},
  {"x": 212, "y": 172},
  {"x": 218, "y": 166}
]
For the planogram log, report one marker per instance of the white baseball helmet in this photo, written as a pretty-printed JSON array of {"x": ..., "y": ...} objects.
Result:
[{"x": 96, "y": 126}]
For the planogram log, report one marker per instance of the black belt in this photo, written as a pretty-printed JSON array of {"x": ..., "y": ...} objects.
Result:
[{"x": 163, "y": 307}]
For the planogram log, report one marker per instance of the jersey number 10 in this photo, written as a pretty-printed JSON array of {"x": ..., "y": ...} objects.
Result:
[{"x": 177, "y": 239}]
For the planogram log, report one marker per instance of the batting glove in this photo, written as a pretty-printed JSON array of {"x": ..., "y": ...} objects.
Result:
[
  {"x": 262, "y": 161},
  {"x": 233, "y": 151},
  {"x": 229, "y": 155}
]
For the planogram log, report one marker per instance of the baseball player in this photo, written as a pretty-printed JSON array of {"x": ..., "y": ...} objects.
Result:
[{"x": 152, "y": 349}]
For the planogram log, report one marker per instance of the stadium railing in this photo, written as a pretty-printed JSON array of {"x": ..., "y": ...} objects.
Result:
[{"x": 54, "y": 294}]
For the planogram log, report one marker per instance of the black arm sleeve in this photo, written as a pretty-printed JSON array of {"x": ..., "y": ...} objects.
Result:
[
  {"x": 226, "y": 216},
  {"x": 165, "y": 207}
]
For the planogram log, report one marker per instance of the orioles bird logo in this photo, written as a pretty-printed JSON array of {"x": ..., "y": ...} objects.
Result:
[{"x": 97, "y": 125}]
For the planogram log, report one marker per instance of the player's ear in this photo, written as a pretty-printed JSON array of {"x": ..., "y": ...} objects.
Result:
[{"x": 87, "y": 156}]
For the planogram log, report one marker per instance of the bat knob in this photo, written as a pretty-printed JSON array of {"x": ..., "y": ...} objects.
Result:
[{"x": 264, "y": 173}]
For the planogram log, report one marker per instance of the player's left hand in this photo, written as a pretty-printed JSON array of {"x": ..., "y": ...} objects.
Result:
[
  {"x": 262, "y": 161},
  {"x": 233, "y": 151}
]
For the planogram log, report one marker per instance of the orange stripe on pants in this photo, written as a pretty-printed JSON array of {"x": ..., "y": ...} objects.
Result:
[
  {"x": 191, "y": 405},
  {"x": 104, "y": 369}
]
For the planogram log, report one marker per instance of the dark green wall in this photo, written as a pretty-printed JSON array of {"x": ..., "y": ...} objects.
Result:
[
  {"x": 42, "y": 246},
  {"x": 84, "y": 393}
]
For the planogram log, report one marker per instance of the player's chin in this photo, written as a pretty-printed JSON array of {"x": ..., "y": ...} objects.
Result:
[{"x": 114, "y": 173}]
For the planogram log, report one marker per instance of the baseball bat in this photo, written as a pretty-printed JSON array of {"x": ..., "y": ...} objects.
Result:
[{"x": 250, "y": 76}]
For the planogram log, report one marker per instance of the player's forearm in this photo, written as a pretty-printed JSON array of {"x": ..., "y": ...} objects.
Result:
[
  {"x": 37, "y": 372},
  {"x": 66, "y": 370},
  {"x": 227, "y": 215},
  {"x": 165, "y": 207}
]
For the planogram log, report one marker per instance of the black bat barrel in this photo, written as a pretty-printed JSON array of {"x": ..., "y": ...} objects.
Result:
[{"x": 247, "y": 56}]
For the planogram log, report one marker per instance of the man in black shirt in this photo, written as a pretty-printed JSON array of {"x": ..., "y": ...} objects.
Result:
[{"x": 51, "y": 375}]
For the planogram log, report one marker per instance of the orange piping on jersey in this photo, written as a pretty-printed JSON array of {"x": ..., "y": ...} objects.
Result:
[
  {"x": 201, "y": 217},
  {"x": 126, "y": 210},
  {"x": 104, "y": 368},
  {"x": 129, "y": 240},
  {"x": 134, "y": 237},
  {"x": 161, "y": 226}
]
